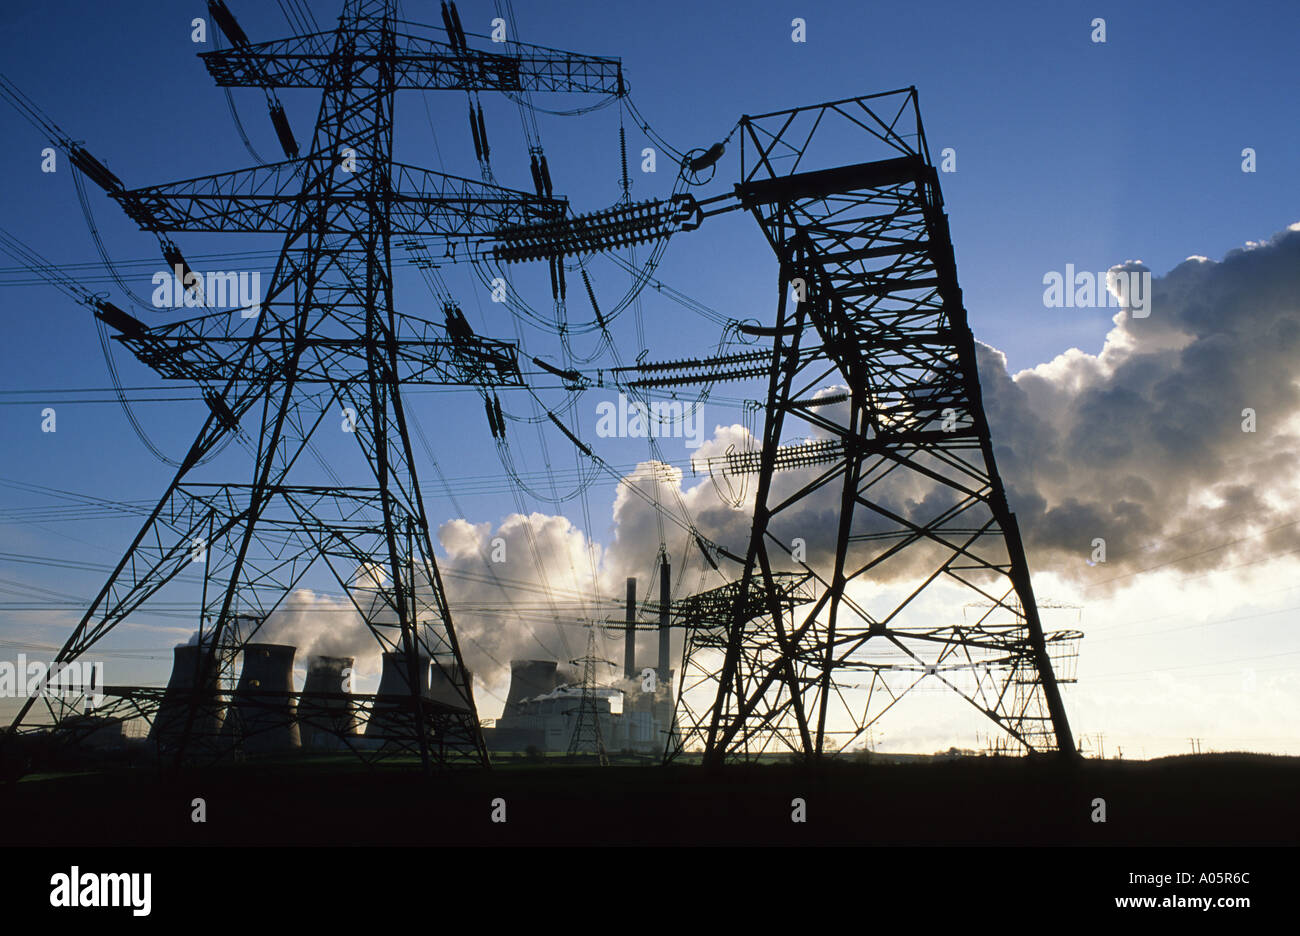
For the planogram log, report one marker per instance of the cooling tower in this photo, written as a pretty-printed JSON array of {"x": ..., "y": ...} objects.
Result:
[
  {"x": 389, "y": 716},
  {"x": 529, "y": 678},
  {"x": 442, "y": 687},
  {"x": 322, "y": 715},
  {"x": 262, "y": 709},
  {"x": 392, "y": 718},
  {"x": 169, "y": 724}
]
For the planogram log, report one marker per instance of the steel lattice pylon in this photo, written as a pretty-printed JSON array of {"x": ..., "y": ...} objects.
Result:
[
  {"x": 587, "y": 736},
  {"x": 326, "y": 337},
  {"x": 871, "y": 355}
]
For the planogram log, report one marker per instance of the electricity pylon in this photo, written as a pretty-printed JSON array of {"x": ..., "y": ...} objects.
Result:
[
  {"x": 873, "y": 385},
  {"x": 326, "y": 337},
  {"x": 587, "y": 735}
]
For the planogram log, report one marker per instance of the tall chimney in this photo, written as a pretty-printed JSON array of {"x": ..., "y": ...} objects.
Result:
[
  {"x": 262, "y": 709},
  {"x": 169, "y": 725},
  {"x": 665, "y": 597},
  {"x": 629, "y": 637},
  {"x": 322, "y": 715}
]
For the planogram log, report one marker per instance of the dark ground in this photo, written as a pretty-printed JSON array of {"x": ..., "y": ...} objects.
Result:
[{"x": 1225, "y": 799}]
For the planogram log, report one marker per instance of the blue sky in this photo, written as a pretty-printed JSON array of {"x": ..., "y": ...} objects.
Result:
[{"x": 1068, "y": 151}]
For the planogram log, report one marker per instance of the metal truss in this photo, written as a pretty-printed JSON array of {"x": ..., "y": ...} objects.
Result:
[
  {"x": 416, "y": 62},
  {"x": 326, "y": 335},
  {"x": 264, "y": 200},
  {"x": 873, "y": 359},
  {"x": 587, "y": 737},
  {"x": 208, "y": 349},
  {"x": 874, "y": 413}
]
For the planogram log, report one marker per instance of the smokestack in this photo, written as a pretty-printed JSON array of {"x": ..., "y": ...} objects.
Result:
[
  {"x": 169, "y": 724},
  {"x": 529, "y": 678},
  {"x": 322, "y": 714},
  {"x": 629, "y": 637},
  {"x": 262, "y": 710},
  {"x": 665, "y": 597}
]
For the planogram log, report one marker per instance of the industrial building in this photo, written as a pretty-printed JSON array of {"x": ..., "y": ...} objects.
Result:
[
  {"x": 541, "y": 710},
  {"x": 541, "y": 713},
  {"x": 265, "y": 714}
]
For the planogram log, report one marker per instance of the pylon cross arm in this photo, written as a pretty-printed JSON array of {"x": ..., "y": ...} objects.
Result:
[
  {"x": 420, "y": 64},
  {"x": 266, "y": 200}
]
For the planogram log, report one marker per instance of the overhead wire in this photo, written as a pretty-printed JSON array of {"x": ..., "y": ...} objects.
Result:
[
  {"x": 558, "y": 321},
  {"x": 234, "y": 111}
]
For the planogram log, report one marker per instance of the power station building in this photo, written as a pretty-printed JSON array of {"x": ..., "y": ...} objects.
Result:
[
  {"x": 541, "y": 712},
  {"x": 265, "y": 715},
  {"x": 261, "y": 717}
]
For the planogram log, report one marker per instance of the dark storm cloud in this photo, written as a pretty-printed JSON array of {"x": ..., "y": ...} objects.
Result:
[{"x": 1143, "y": 444}]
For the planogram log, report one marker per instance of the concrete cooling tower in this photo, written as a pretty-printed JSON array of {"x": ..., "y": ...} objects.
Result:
[
  {"x": 322, "y": 715},
  {"x": 182, "y": 691},
  {"x": 391, "y": 718},
  {"x": 262, "y": 714},
  {"x": 528, "y": 679},
  {"x": 442, "y": 685}
]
